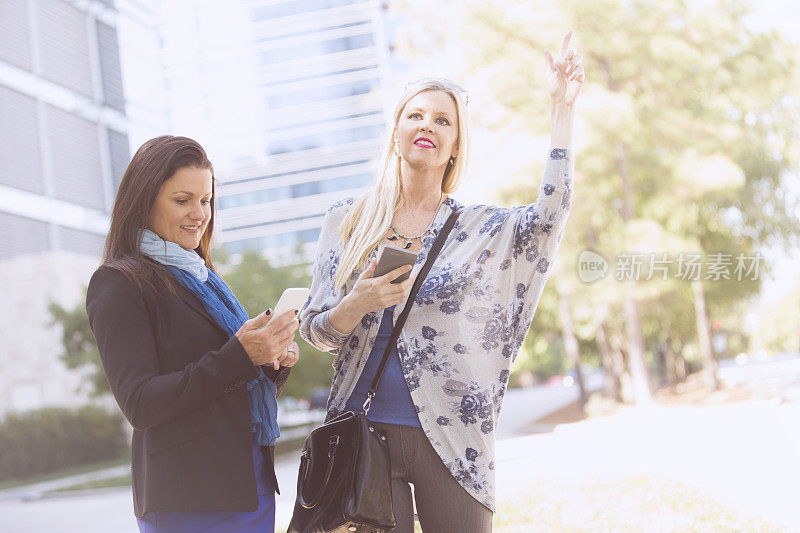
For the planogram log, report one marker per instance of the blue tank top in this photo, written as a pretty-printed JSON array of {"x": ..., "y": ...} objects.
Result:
[{"x": 392, "y": 403}]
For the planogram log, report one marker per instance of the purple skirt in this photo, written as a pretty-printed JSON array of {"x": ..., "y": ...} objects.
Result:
[{"x": 261, "y": 520}]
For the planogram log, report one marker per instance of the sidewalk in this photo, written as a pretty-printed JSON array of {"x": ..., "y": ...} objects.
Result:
[
  {"x": 23, "y": 510},
  {"x": 39, "y": 490},
  {"x": 741, "y": 454}
]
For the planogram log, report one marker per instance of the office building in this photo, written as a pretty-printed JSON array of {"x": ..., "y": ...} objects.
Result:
[
  {"x": 64, "y": 133},
  {"x": 287, "y": 97}
]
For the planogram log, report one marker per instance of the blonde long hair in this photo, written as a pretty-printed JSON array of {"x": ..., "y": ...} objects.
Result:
[{"x": 370, "y": 217}]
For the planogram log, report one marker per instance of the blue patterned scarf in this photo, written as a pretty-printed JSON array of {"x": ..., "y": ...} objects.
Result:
[{"x": 227, "y": 312}]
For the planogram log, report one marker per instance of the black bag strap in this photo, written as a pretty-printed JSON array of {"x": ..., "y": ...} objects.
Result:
[{"x": 401, "y": 320}]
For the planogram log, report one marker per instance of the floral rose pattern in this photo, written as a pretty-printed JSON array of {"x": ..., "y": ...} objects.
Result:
[{"x": 469, "y": 319}]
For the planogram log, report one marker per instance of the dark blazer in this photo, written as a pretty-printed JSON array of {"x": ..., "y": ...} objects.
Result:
[{"x": 181, "y": 383}]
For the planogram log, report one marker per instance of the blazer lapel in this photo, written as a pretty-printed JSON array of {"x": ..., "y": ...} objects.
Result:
[{"x": 190, "y": 299}]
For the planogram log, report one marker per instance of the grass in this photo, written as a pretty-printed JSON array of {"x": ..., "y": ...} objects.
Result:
[
  {"x": 625, "y": 504},
  {"x": 83, "y": 469},
  {"x": 287, "y": 446},
  {"x": 118, "y": 481}
]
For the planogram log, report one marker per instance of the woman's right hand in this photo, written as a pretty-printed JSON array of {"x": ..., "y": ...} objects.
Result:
[
  {"x": 374, "y": 294},
  {"x": 265, "y": 338}
]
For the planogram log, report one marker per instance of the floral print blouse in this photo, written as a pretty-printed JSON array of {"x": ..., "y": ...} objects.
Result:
[{"x": 468, "y": 321}]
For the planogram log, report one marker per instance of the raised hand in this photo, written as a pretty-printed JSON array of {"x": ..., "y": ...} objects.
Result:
[{"x": 565, "y": 75}]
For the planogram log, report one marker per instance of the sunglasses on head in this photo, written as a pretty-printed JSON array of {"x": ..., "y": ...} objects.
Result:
[{"x": 453, "y": 86}]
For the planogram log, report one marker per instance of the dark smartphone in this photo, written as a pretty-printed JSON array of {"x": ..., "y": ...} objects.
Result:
[{"x": 392, "y": 257}]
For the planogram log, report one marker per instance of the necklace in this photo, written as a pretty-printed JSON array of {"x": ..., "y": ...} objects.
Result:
[{"x": 410, "y": 239}]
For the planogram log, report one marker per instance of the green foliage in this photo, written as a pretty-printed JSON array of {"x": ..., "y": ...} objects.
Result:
[
  {"x": 53, "y": 439},
  {"x": 542, "y": 354},
  {"x": 80, "y": 348},
  {"x": 780, "y": 327},
  {"x": 686, "y": 134},
  {"x": 258, "y": 285},
  {"x": 255, "y": 283}
]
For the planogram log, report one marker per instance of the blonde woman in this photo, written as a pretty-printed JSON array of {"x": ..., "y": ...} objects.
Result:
[{"x": 442, "y": 390}]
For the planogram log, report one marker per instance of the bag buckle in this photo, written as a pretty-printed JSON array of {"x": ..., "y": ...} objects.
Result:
[{"x": 368, "y": 403}]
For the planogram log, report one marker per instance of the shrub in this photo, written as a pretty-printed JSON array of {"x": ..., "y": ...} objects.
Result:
[{"x": 52, "y": 439}]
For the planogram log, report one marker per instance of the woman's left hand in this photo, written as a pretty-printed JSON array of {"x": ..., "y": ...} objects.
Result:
[
  {"x": 288, "y": 358},
  {"x": 565, "y": 74}
]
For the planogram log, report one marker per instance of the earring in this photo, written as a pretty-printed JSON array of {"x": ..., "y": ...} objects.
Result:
[
  {"x": 452, "y": 160},
  {"x": 397, "y": 147}
]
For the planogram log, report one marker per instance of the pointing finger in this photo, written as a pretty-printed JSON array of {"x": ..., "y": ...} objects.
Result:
[{"x": 565, "y": 42}]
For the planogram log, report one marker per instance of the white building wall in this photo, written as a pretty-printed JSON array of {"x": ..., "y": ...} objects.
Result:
[{"x": 65, "y": 138}]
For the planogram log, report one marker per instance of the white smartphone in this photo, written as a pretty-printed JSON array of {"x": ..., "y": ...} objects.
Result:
[
  {"x": 392, "y": 257},
  {"x": 292, "y": 298}
]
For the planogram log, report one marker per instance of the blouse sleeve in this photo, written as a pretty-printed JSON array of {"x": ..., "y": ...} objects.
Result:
[
  {"x": 539, "y": 227},
  {"x": 526, "y": 239},
  {"x": 315, "y": 327}
]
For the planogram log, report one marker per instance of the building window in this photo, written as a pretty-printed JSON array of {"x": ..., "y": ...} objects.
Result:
[
  {"x": 294, "y": 7},
  {"x": 321, "y": 93},
  {"x": 318, "y": 48},
  {"x": 279, "y": 240},
  {"x": 298, "y": 190},
  {"x": 327, "y": 138}
]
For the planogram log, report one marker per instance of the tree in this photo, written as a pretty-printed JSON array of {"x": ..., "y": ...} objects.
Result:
[
  {"x": 688, "y": 132},
  {"x": 256, "y": 284},
  {"x": 80, "y": 349}
]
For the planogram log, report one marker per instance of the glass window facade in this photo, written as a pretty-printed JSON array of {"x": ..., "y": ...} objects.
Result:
[
  {"x": 325, "y": 138},
  {"x": 279, "y": 240},
  {"x": 294, "y": 191},
  {"x": 316, "y": 94},
  {"x": 294, "y": 7},
  {"x": 318, "y": 48}
]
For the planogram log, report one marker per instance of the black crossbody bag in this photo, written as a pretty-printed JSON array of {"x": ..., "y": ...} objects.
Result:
[{"x": 344, "y": 483}]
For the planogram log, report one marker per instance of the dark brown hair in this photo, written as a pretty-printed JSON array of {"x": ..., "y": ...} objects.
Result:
[{"x": 154, "y": 163}]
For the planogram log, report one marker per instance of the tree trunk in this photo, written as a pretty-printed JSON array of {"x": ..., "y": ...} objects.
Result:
[
  {"x": 641, "y": 385},
  {"x": 680, "y": 364},
  {"x": 633, "y": 327},
  {"x": 622, "y": 367},
  {"x": 704, "y": 335},
  {"x": 571, "y": 345},
  {"x": 611, "y": 381},
  {"x": 661, "y": 364},
  {"x": 671, "y": 361}
]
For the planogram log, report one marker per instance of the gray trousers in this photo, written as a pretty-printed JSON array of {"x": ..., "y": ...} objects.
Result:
[{"x": 443, "y": 506}]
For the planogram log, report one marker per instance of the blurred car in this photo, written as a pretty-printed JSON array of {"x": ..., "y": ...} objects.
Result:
[{"x": 559, "y": 380}]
